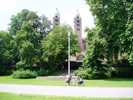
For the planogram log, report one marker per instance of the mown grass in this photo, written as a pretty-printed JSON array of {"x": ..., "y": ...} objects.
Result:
[
  {"x": 9, "y": 96},
  {"x": 88, "y": 83},
  {"x": 10, "y": 80}
]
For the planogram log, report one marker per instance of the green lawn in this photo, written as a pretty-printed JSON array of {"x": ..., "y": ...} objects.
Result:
[
  {"x": 8, "y": 96},
  {"x": 88, "y": 83}
]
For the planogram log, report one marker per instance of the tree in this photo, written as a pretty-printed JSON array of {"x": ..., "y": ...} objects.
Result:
[
  {"x": 94, "y": 62},
  {"x": 113, "y": 25},
  {"x": 107, "y": 42},
  {"x": 28, "y": 29},
  {"x": 27, "y": 54},
  {"x": 7, "y": 51},
  {"x": 127, "y": 36},
  {"x": 55, "y": 47},
  {"x": 18, "y": 20},
  {"x": 29, "y": 45},
  {"x": 40, "y": 23}
]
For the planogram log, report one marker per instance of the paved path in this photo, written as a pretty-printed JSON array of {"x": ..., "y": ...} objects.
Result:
[{"x": 68, "y": 91}]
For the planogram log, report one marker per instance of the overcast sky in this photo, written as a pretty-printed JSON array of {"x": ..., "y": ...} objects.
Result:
[{"x": 67, "y": 10}]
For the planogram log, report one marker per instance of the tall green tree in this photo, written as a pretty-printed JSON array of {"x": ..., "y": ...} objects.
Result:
[
  {"x": 7, "y": 51},
  {"x": 112, "y": 23},
  {"x": 111, "y": 38},
  {"x": 55, "y": 47},
  {"x": 127, "y": 36},
  {"x": 94, "y": 63},
  {"x": 28, "y": 35},
  {"x": 29, "y": 45}
]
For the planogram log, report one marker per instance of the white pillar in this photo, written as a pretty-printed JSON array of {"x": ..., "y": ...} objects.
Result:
[{"x": 69, "y": 72}]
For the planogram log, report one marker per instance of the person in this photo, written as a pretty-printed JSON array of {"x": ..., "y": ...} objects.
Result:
[
  {"x": 68, "y": 79},
  {"x": 80, "y": 80}
]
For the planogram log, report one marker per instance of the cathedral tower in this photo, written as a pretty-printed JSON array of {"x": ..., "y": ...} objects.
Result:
[
  {"x": 56, "y": 18},
  {"x": 78, "y": 30}
]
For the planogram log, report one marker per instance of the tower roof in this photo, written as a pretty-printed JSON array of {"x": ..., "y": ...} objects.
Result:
[
  {"x": 77, "y": 15},
  {"x": 57, "y": 13}
]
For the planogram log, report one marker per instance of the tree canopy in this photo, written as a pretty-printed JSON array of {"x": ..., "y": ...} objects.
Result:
[
  {"x": 55, "y": 46},
  {"x": 7, "y": 51},
  {"x": 114, "y": 26}
]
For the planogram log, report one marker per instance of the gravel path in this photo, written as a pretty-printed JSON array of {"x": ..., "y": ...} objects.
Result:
[{"x": 68, "y": 91}]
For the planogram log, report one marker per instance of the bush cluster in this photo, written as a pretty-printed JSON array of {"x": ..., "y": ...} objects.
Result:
[
  {"x": 84, "y": 73},
  {"x": 24, "y": 74},
  {"x": 89, "y": 73}
]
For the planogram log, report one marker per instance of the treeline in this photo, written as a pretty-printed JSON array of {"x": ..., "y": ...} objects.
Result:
[{"x": 34, "y": 44}]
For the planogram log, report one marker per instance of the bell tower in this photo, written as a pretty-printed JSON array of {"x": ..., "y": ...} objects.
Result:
[
  {"x": 78, "y": 30},
  {"x": 56, "y": 18}
]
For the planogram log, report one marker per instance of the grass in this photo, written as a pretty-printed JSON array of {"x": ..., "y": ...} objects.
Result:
[
  {"x": 9, "y": 96},
  {"x": 88, "y": 83},
  {"x": 10, "y": 80}
]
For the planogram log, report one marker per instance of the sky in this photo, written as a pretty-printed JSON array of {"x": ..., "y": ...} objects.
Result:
[{"x": 67, "y": 9}]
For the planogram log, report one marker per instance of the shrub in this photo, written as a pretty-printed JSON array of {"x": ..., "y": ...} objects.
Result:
[
  {"x": 102, "y": 72},
  {"x": 89, "y": 73},
  {"x": 84, "y": 73},
  {"x": 20, "y": 65},
  {"x": 24, "y": 74},
  {"x": 43, "y": 72}
]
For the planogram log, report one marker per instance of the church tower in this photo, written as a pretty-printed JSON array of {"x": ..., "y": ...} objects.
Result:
[
  {"x": 78, "y": 30},
  {"x": 56, "y": 18}
]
